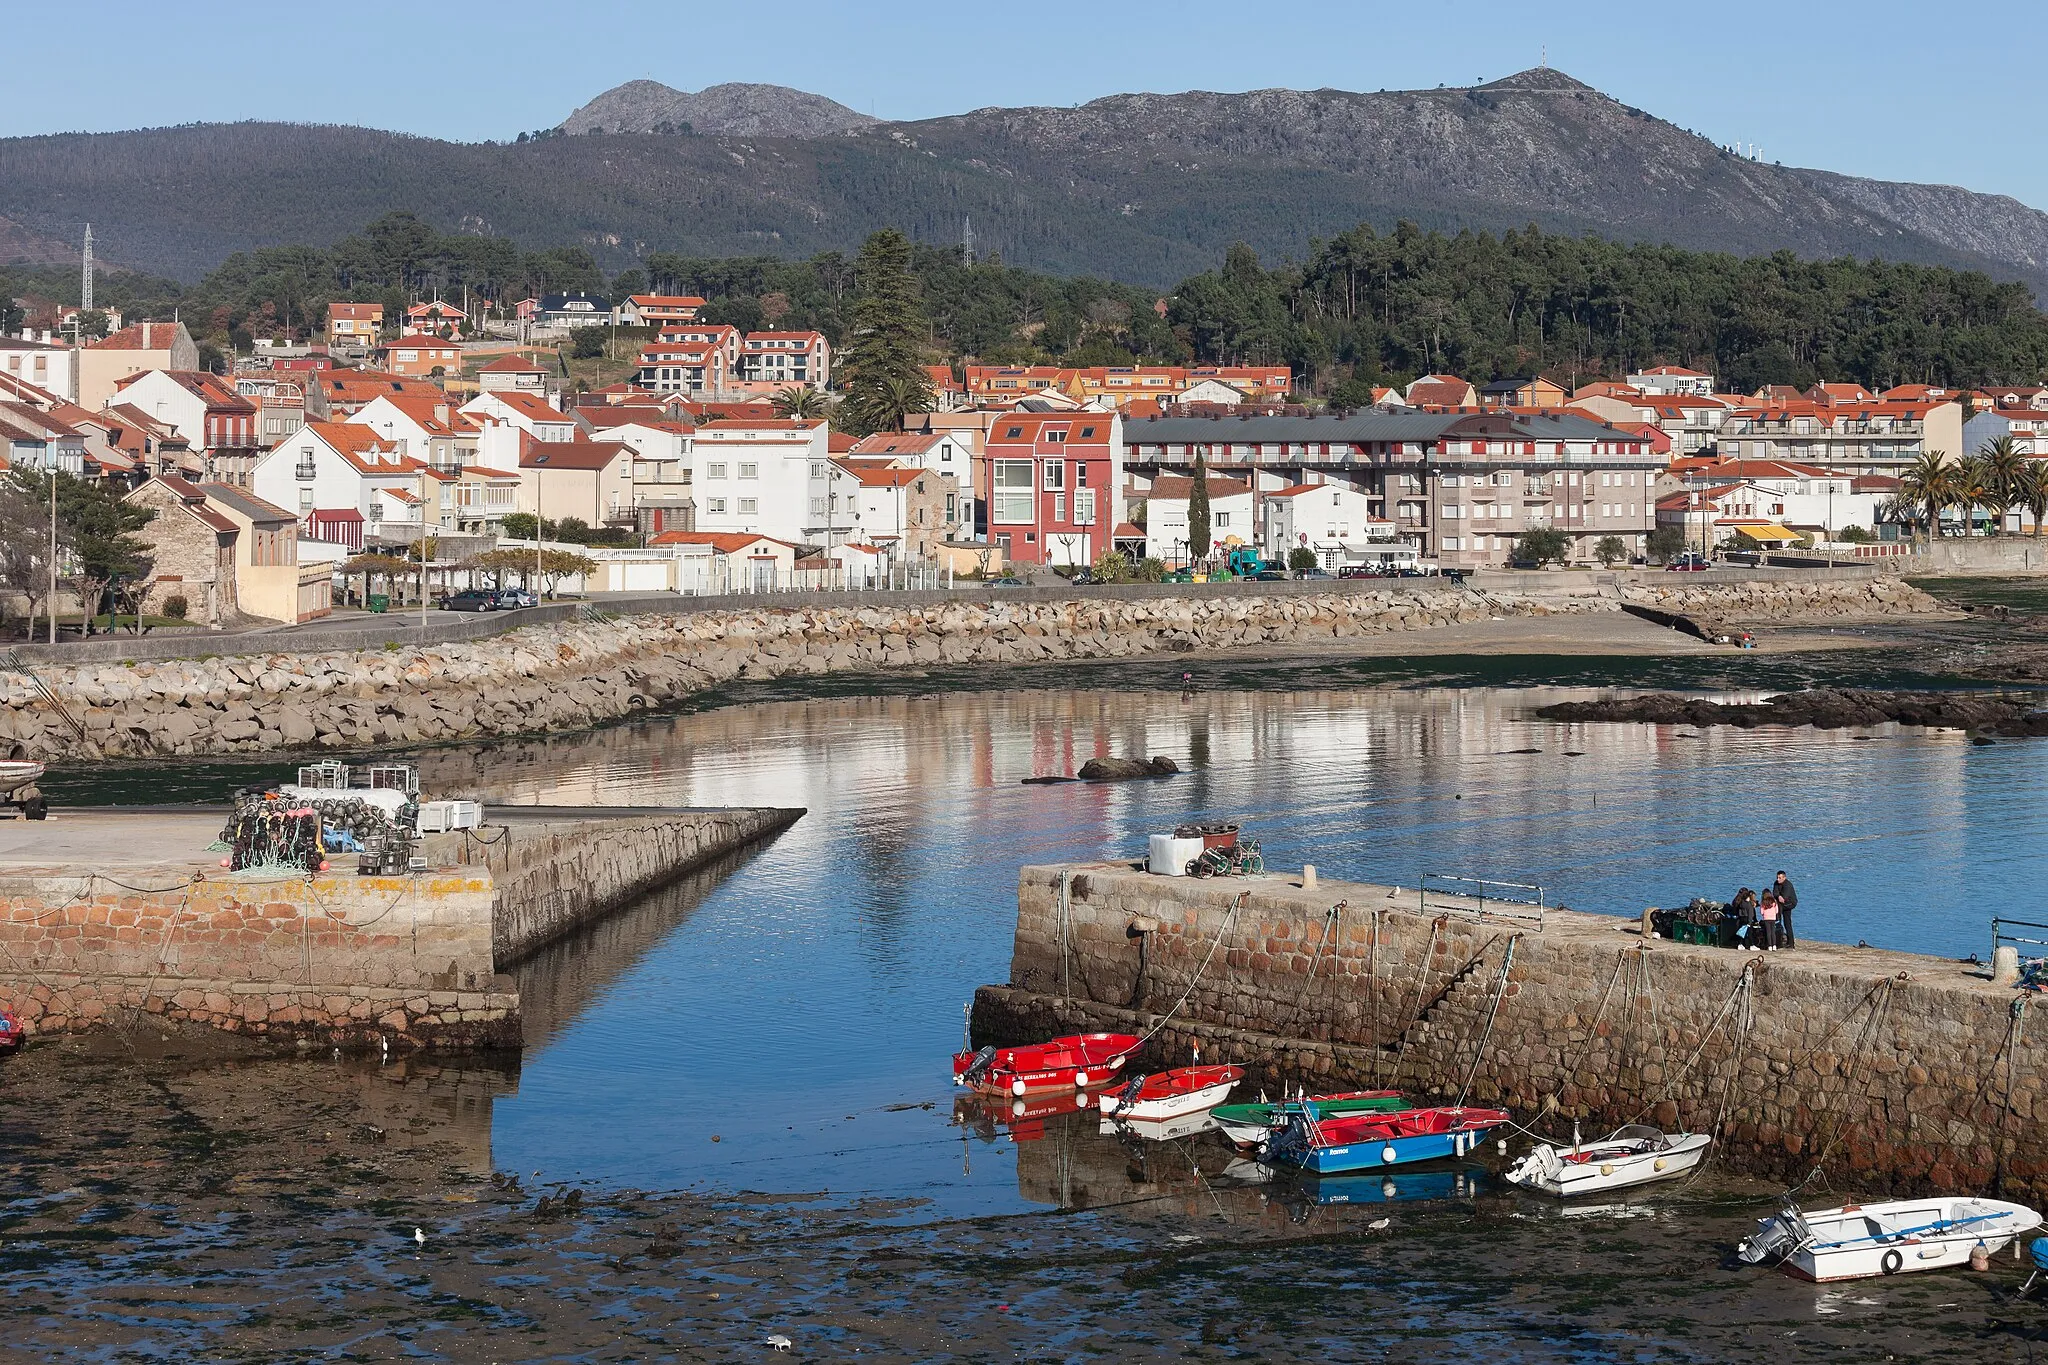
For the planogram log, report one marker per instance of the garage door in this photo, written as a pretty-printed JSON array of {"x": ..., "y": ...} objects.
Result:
[{"x": 645, "y": 577}]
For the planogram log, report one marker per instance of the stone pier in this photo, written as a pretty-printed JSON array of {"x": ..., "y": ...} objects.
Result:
[
  {"x": 108, "y": 917},
  {"x": 1887, "y": 1071}
]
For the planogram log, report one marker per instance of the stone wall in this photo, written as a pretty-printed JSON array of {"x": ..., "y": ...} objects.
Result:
[
  {"x": 567, "y": 675},
  {"x": 1885, "y": 1070},
  {"x": 556, "y": 877},
  {"x": 335, "y": 959}
]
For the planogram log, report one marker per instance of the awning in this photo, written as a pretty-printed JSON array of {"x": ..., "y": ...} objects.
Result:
[{"x": 1763, "y": 531}]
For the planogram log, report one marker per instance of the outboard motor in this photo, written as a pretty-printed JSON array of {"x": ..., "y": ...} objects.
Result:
[
  {"x": 1776, "y": 1237},
  {"x": 979, "y": 1067}
]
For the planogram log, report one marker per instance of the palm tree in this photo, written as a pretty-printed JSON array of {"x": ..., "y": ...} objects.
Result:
[
  {"x": 2030, "y": 490},
  {"x": 1927, "y": 487},
  {"x": 1974, "y": 490},
  {"x": 2006, "y": 466},
  {"x": 900, "y": 395},
  {"x": 799, "y": 402}
]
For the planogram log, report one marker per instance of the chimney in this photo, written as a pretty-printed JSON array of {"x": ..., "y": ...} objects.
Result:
[{"x": 441, "y": 413}]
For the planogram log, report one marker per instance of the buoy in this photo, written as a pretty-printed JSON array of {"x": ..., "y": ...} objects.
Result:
[
  {"x": 1017, "y": 1108},
  {"x": 1658, "y": 1164},
  {"x": 1502, "y": 1146},
  {"x": 1080, "y": 1080},
  {"x": 1607, "y": 1168},
  {"x": 1980, "y": 1257},
  {"x": 1017, "y": 1086},
  {"x": 1387, "y": 1154}
]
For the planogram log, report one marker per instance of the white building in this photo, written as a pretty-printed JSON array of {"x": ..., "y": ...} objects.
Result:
[
  {"x": 1661, "y": 381},
  {"x": 425, "y": 427},
  {"x": 1333, "y": 519},
  {"x": 349, "y": 468},
  {"x": 1166, "y": 516},
  {"x": 663, "y": 452},
  {"x": 34, "y": 358},
  {"x": 770, "y": 478},
  {"x": 507, "y": 418}
]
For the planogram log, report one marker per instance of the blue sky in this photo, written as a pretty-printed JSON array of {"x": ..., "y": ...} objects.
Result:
[{"x": 1894, "y": 90}]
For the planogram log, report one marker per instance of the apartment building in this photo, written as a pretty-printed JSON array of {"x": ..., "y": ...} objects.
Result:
[
  {"x": 1841, "y": 427},
  {"x": 40, "y": 361},
  {"x": 769, "y": 361},
  {"x": 1672, "y": 381},
  {"x": 1459, "y": 486},
  {"x": 772, "y": 477},
  {"x": 1053, "y": 481},
  {"x": 214, "y": 419},
  {"x": 135, "y": 349},
  {"x": 354, "y": 326}
]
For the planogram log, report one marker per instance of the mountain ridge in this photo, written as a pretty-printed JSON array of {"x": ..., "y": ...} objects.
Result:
[{"x": 1144, "y": 187}]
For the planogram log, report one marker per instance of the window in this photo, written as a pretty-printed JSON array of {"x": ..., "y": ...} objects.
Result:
[
  {"x": 750, "y": 471},
  {"x": 1011, "y": 502},
  {"x": 952, "y": 506},
  {"x": 1059, "y": 507},
  {"x": 305, "y": 500},
  {"x": 1452, "y": 481},
  {"x": 1055, "y": 474},
  {"x": 817, "y": 469},
  {"x": 715, "y": 506},
  {"x": 1013, "y": 433},
  {"x": 1452, "y": 543},
  {"x": 1057, "y": 437},
  {"x": 1084, "y": 506},
  {"x": 817, "y": 507},
  {"x": 1222, "y": 519},
  {"x": 1080, "y": 473},
  {"x": 748, "y": 506},
  {"x": 1336, "y": 499},
  {"x": 1452, "y": 511},
  {"x": 714, "y": 471}
]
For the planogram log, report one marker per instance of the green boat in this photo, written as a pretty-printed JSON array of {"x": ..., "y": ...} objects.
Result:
[{"x": 1248, "y": 1124}]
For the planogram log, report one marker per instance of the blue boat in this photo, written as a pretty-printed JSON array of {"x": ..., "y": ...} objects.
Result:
[{"x": 1373, "y": 1142}]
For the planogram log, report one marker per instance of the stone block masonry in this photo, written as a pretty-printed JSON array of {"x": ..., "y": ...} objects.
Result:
[
  {"x": 570, "y": 674},
  {"x": 331, "y": 959},
  {"x": 1887, "y": 1071}
]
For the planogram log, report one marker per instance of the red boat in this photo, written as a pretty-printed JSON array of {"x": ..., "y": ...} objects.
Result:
[
  {"x": 1071, "y": 1063},
  {"x": 1170, "y": 1094},
  {"x": 12, "y": 1034}
]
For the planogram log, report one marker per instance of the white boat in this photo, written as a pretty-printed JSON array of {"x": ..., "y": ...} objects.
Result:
[
  {"x": 1858, "y": 1241},
  {"x": 1172, "y": 1094},
  {"x": 1634, "y": 1155},
  {"x": 1160, "y": 1130},
  {"x": 18, "y": 772}
]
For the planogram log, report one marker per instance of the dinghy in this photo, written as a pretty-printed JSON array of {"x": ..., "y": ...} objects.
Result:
[
  {"x": 1171, "y": 1094},
  {"x": 1858, "y": 1241},
  {"x": 1074, "y": 1062},
  {"x": 1372, "y": 1142},
  {"x": 18, "y": 772},
  {"x": 1248, "y": 1125},
  {"x": 1633, "y": 1155}
]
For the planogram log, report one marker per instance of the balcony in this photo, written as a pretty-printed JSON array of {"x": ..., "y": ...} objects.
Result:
[{"x": 303, "y": 471}]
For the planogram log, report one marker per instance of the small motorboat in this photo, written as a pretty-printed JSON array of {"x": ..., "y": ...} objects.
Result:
[
  {"x": 12, "y": 1034},
  {"x": 1074, "y": 1062},
  {"x": 1634, "y": 1155},
  {"x": 1857, "y": 1241},
  {"x": 18, "y": 790},
  {"x": 1171, "y": 1094},
  {"x": 1248, "y": 1125},
  {"x": 1372, "y": 1142}
]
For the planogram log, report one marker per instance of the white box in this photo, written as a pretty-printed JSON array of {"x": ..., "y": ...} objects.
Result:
[
  {"x": 438, "y": 817},
  {"x": 1170, "y": 856}
]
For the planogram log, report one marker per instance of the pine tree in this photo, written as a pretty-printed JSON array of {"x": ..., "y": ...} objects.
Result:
[
  {"x": 883, "y": 354},
  {"x": 1198, "y": 510}
]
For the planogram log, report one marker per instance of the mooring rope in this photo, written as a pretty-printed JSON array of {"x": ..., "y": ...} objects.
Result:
[
  {"x": 1229, "y": 918},
  {"x": 1500, "y": 989},
  {"x": 1330, "y": 917},
  {"x": 1880, "y": 1006}
]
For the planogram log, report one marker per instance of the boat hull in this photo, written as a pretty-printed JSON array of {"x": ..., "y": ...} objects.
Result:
[
  {"x": 1173, "y": 1094},
  {"x": 1070, "y": 1063},
  {"x": 1857, "y": 1242},
  {"x": 1247, "y": 1125},
  {"x": 1377, "y": 1155},
  {"x": 1375, "y": 1142}
]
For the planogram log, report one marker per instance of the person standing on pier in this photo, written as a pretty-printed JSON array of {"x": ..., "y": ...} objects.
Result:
[{"x": 1787, "y": 900}]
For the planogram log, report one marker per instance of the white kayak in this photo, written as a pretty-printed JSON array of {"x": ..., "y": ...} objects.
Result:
[
  {"x": 1634, "y": 1155},
  {"x": 1858, "y": 1241}
]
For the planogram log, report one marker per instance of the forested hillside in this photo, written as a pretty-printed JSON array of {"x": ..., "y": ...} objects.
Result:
[{"x": 1363, "y": 307}]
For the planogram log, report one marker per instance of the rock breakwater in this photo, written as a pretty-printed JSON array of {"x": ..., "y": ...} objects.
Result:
[
  {"x": 1826, "y": 708},
  {"x": 573, "y": 674}
]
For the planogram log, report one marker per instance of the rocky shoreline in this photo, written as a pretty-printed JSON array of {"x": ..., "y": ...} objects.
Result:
[
  {"x": 1823, "y": 708},
  {"x": 570, "y": 675}
]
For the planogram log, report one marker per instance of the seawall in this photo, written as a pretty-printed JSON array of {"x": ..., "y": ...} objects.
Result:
[
  {"x": 570, "y": 674},
  {"x": 1888, "y": 1071},
  {"x": 153, "y": 926}
]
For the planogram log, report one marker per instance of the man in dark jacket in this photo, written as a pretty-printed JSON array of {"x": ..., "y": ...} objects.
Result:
[{"x": 1787, "y": 899}]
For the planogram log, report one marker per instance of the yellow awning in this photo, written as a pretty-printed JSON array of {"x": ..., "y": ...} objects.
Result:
[{"x": 1765, "y": 531}]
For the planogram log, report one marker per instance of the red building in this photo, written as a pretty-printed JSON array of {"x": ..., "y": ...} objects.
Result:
[{"x": 1050, "y": 485}]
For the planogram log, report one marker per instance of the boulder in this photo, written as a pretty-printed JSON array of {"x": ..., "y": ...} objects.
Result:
[{"x": 1125, "y": 769}]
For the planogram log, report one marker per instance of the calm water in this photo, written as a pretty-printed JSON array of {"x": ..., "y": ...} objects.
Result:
[{"x": 782, "y": 1023}]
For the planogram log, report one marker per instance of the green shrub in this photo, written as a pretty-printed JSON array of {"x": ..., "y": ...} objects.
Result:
[
  {"x": 175, "y": 606},
  {"x": 1112, "y": 567},
  {"x": 1301, "y": 558},
  {"x": 1855, "y": 535},
  {"x": 1544, "y": 545},
  {"x": 1149, "y": 570}
]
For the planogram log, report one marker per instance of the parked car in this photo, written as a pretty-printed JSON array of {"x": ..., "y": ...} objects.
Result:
[
  {"x": 1267, "y": 576},
  {"x": 1083, "y": 578},
  {"x": 510, "y": 598},
  {"x": 471, "y": 599},
  {"x": 1311, "y": 573},
  {"x": 1008, "y": 582},
  {"x": 1688, "y": 563}
]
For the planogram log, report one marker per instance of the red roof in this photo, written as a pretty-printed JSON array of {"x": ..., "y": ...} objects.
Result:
[
  {"x": 513, "y": 363},
  {"x": 582, "y": 455},
  {"x": 898, "y": 443},
  {"x": 725, "y": 542},
  {"x": 872, "y": 475},
  {"x": 1175, "y": 488},
  {"x": 771, "y": 424},
  {"x": 140, "y": 336},
  {"x": 356, "y": 312}
]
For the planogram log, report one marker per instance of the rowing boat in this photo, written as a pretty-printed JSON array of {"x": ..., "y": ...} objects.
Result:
[
  {"x": 1247, "y": 1125},
  {"x": 1857, "y": 1241},
  {"x": 1633, "y": 1155},
  {"x": 1371, "y": 1142},
  {"x": 1171, "y": 1094},
  {"x": 1074, "y": 1062}
]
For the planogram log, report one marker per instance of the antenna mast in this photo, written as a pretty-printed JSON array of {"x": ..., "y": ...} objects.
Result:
[
  {"x": 85, "y": 289},
  {"x": 967, "y": 240}
]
